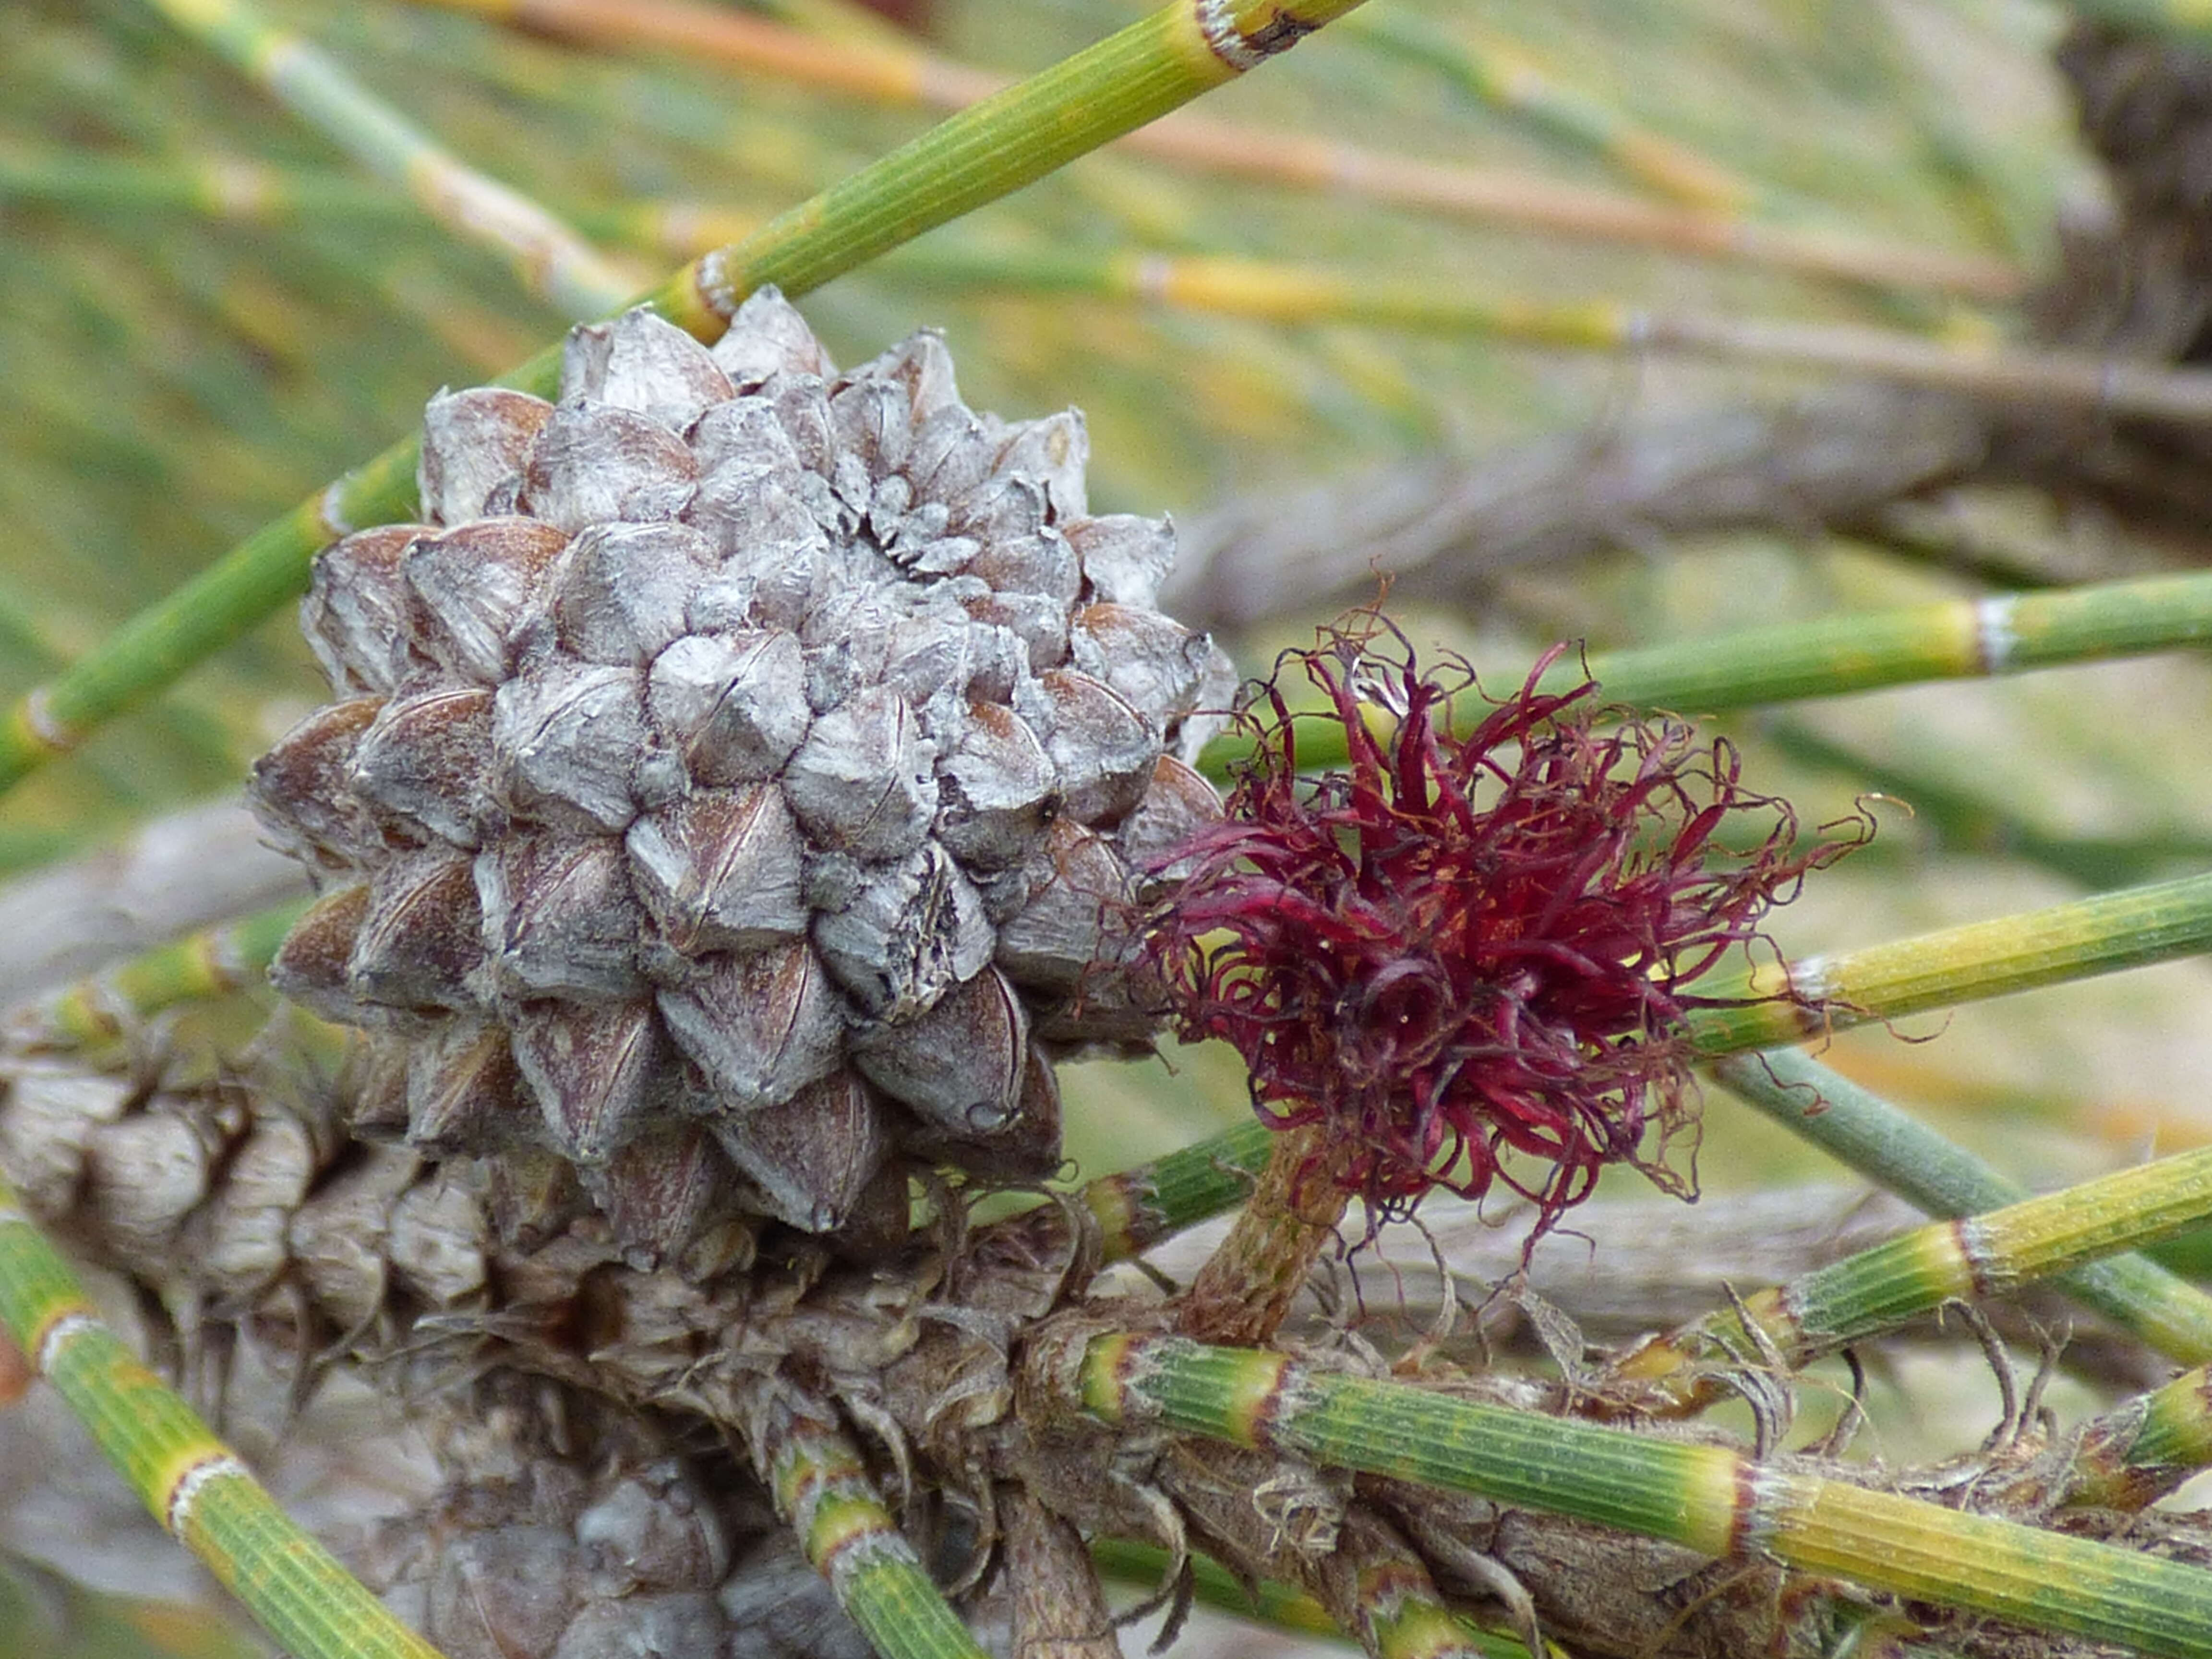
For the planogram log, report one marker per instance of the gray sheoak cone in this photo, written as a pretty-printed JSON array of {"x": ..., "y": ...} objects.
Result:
[{"x": 740, "y": 780}]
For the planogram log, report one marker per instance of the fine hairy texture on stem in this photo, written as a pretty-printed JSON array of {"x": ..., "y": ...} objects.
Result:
[
  {"x": 1634, "y": 1262},
  {"x": 1789, "y": 1326},
  {"x": 822, "y": 1489},
  {"x": 2108, "y": 933},
  {"x": 908, "y": 1352},
  {"x": 1700, "y": 1496},
  {"x": 1247, "y": 1285}
]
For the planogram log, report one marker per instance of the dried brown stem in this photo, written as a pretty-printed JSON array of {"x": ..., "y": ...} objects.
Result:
[
  {"x": 14, "y": 1372},
  {"x": 944, "y": 1369},
  {"x": 1060, "y": 1610},
  {"x": 1440, "y": 528},
  {"x": 203, "y": 864}
]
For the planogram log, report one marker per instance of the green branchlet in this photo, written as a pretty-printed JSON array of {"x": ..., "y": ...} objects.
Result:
[
  {"x": 1702, "y": 1496},
  {"x": 191, "y": 1483},
  {"x": 1898, "y": 1151}
]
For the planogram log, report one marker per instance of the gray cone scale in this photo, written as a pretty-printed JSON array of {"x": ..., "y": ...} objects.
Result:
[{"x": 741, "y": 778}]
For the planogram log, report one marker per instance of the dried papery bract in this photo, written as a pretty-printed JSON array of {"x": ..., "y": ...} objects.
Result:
[
  {"x": 1467, "y": 948},
  {"x": 705, "y": 760}
]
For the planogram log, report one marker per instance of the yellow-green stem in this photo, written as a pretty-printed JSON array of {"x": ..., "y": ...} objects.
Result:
[
  {"x": 1135, "y": 1209},
  {"x": 1704, "y": 1497},
  {"x": 1268, "y": 1601},
  {"x": 822, "y": 1488},
  {"x": 2136, "y": 1453},
  {"x": 1832, "y": 656},
  {"x": 191, "y": 1483},
  {"x": 212, "y": 962},
  {"x": 1994, "y": 1254},
  {"x": 2187, "y": 20},
  {"x": 891, "y": 70},
  {"x": 1494, "y": 72},
  {"x": 1890, "y": 1147},
  {"x": 551, "y": 260},
  {"x": 1814, "y": 994}
]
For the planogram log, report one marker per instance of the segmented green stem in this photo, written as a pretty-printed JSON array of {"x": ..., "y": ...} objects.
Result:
[
  {"x": 892, "y": 71},
  {"x": 995, "y": 147},
  {"x": 1391, "y": 1603},
  {"x": 245, "y": 191},
  {"x": 2132, "y": 928},
  {"x": 1158, "y": 1199},
  {"x": 237, "y": 190},
  {"x": 2136, "y": 1453},
  {"x": 256, "y": 193},
  {"x": 1956, "y": 818},
  {"x": 193, "y": 1484},
  {"x": 209, "y": 612},
  {"x": 551, "y": 259},
  {"x": 983, "y": 153},
  {"x": 1703, "y": 1497},
  {"x": 1134, "y": 1210},
  {"x": 821, "y": 1488},
  {"x": 1268, "y": 1601},
  {"x": 212, "y": 962},
  {"x": 1979, "y": 1255},
  {"x": 253, "y": 193},
  {"x": 1955, "y": 638},
  {"x": 1138, "y": 1208},
  {"x": 1892, "y": 1147}
]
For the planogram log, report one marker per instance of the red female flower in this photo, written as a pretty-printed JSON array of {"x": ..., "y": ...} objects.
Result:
[{"x": 1459, "y": 948}]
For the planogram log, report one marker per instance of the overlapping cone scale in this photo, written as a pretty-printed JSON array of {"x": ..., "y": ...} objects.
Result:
[{"x": 742, "y": 769}]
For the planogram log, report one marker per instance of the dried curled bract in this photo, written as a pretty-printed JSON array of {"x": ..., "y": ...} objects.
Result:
[
  {"x": 1466, "y": 946},
  {"x": 562, "y": 1531},
  {"x": 740, "y": 768}
]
